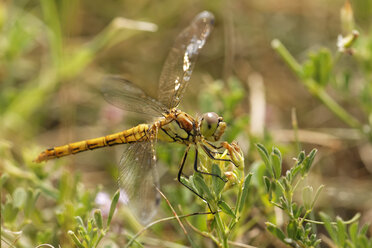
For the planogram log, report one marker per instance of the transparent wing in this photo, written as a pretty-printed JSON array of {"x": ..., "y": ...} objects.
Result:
[
  {"x": 137, "y": 180},
  {"x": 125, "y": 95},
  {"x": 181, "y": 59}
]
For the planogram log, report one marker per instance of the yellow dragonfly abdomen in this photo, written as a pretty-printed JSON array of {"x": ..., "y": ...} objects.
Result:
[{"x": 137, "y": 133}]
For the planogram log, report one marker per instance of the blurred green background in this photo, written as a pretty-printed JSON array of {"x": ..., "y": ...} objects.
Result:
[{"x": 54, "y": 54}]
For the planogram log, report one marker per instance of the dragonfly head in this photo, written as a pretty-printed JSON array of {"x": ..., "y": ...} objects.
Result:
[{"x": 212, "y": 126}]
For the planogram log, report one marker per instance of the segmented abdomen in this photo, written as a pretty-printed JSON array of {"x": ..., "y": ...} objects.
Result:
[{"x": 137, "y": 133}]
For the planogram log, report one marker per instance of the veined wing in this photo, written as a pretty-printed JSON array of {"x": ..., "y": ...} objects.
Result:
[
  {"x": 137, "y": 180},
  {"x": 125, "y": 95},
  {"x": 181, "y": 59}
]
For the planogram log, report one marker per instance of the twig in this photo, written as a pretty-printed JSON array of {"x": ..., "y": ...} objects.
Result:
[
  {"x": 159, "y": 221},
  {"x": 174, "y": 212}
]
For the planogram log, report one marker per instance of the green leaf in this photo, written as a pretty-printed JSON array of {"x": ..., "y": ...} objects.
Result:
[
  {"x": 199, "y": 188},
  {"x": 244, "y": 194},
  {"x": 276, "y": 151},
  {"x": 317, "y": 194},
  {"x": 9, "y": 212},
  {"x": 301, "y": 157},
  {"x": 187, "y": 182},
  {"x": 295, "y": 171},
  {"x": 364, "y": 229},
  {"x": 274, "y": 230},
  {"x": 31, "y": 199},
  {"x": 307, "y": 194},
  {"x": 317, "y": 243},
  {"x": 292, "y": 229},
  {"x": 75, "y": 239},
  {"x": 19, "y": 197},
  {"x": 341, "y": 232},
  {"x": 114, "y": 202},
  {"x": 80, "y": 222},
  {"x": 217, "y": 183},
  {"x": 327, "y": 224},
  {"x": 98, "y": 218},
  {"x": 226, "y": 208},
  {"x": 276, "y": 161},
  {"x": 309, "y": 161},
  {"x": 267, "y": 184},
  {"x": 265, "y": 157},
  {"x": 201, "y": 185},
  {"x": 283, "y": 202},
  {"x": 297, "y": 210},
  {"x": 353, "y": 232},
  {"x": 288, "y": 175}
]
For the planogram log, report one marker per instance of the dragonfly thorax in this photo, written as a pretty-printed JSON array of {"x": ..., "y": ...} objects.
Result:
[{"x": 178, "y": 126}]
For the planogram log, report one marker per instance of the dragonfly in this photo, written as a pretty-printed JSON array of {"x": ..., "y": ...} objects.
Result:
[{"x": 138, "y": 177}]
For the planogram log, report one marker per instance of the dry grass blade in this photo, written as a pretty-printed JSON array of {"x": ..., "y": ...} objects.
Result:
[{"x": 173, "y": 211}]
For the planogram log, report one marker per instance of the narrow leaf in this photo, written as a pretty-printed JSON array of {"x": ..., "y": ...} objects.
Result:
[
  {"x": 200, "y": 183},
  {"x": 307, "y": 194},
  {"x": 301, "y": 157},
  {"x": 9, "y": 212},
  {"x": 317, "y": 194},
  {"x": 217, "y": 183},
  {"x": 265, "y": 157},
  {"x": 226, "y": 208},
  {"x": 341, "y": 232},
  {"x": 267, "y": 184},
  {"x": 275, "y": 231},
  {"x": 309, "y": 160},
  {"x": 244, "y": 194},
  {"x": 327, "y": 224},
  {"x": 75, "y": 239},
  {"x": 276, "y": 151},
  {"x": 276, "y": 162},
  {"x": 292, "y": 229},
  {"x": 188, "y": 182},
  {"x": 114, "y": 202},
  {"x": 353, "y": 232},
  {"x": 98, "y": 218},
  {"x": 364, "y": 229}
]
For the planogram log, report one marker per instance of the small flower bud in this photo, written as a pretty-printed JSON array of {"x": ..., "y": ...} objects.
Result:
[{"x": 235, "y": 153}]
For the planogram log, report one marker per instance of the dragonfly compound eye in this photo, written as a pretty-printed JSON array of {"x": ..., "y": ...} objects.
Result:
[{"x": 209, "y": 124}]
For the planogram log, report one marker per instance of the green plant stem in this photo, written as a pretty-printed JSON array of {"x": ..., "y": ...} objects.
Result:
[
  {"x": 239, "y": 199},
  {"x": 347, "y": 222},
  {"x": 314, "y": 88},
  {"x": 204, "y": 234},
  {"x": 304, "y": 218},
  {"x": 295, "y": 129},
  {"x": 221, "y": 230}
]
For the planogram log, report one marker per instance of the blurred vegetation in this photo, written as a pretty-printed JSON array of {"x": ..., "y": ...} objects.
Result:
[{"x": 53, "y": 55}]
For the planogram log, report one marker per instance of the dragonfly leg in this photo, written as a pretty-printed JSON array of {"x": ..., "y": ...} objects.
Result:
[
  {"x": 210, "y": 155},
  {"x": 213, "y": 146},
  {"x": 202, "y": 172},
  {"x": 179, "y": 179}
]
